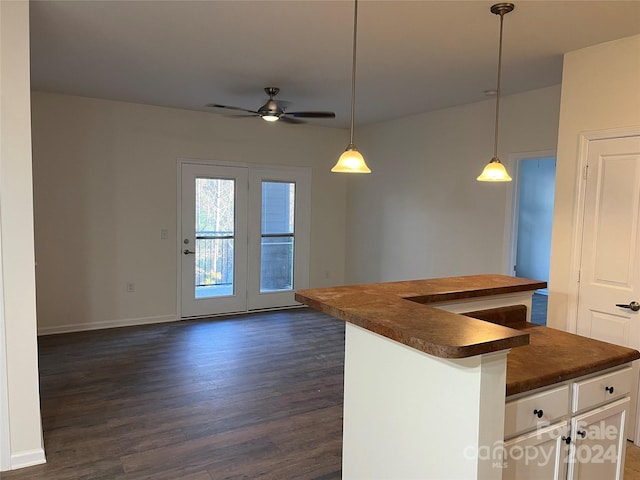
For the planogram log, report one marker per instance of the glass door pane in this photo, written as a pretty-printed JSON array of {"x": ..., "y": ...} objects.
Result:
[
  {"x": 215, "y": 229},
  {"x": 277, "y": 236}
]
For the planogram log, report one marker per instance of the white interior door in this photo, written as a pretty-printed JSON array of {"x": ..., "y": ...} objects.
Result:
[
  {"x": 610, "y": 260},
  {"x": 213, "y": 251}
]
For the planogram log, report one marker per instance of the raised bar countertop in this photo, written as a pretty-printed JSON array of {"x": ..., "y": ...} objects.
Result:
[{"x": 400, "y": 311}]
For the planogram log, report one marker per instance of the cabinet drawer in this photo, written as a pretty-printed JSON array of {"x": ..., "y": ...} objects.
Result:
[
  {"x": 603, "y": 388},
  {"x": 535, "y": 410}
]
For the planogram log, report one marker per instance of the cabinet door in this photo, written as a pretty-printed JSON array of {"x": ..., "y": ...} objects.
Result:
[
  {"x": 538, "y": 455},
  {"x": 598, "y": 443}
]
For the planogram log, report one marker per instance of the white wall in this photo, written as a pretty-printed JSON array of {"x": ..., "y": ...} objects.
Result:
[
  {"x": 600, "y": 91},
  {"x": 105, "y": 185},
  {"x": 421, "y": 213},
  {"x": 19, "y": 396}
]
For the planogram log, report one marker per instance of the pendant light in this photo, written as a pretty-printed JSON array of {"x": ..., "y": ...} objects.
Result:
[
  {"x": 495, "y": 171},
  {"x": 352, "y": 161}
]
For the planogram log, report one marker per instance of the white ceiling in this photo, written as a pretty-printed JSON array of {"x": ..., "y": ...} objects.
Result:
[{"x": 413, "y": 56}]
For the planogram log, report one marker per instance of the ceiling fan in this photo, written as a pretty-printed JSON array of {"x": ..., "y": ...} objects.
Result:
[{"x": 273, "y": 111}]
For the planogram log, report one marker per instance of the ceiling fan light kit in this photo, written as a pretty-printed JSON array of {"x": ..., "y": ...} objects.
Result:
[
  {"x": 495, "y": 170},
  {"x": 270, "y": 111}
]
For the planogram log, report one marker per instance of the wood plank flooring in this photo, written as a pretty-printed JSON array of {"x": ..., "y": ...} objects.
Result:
[
  {"x": 247, "y": 397},
  {"x": 256, "y": 396},
  {"x": 632, "y": 462}
]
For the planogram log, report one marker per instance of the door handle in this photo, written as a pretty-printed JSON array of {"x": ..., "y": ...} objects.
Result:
[
  {"x": 635, "y": 306},
  {"x": 186, "y": 251}
]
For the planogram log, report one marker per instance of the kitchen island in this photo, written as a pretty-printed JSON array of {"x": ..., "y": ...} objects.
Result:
[{"x": 425, "y": 387}]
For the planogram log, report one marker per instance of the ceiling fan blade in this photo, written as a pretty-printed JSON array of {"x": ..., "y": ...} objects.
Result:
[
  {"x": 286, "y": 119},
  {"x": 215, "y": 105},
  {"x": 312, "y": 114},
  {"x": 238, "y": 115}
]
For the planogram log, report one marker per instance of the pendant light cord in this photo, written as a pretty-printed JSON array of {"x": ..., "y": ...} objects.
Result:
[
  {"x": 495, "y": 143},
  {"x": 353, "y": 72}
]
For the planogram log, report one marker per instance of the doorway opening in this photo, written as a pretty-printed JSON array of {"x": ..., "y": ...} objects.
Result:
[{"x": 533, "y": 198}]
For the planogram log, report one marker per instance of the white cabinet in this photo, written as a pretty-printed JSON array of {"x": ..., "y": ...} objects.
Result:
[
  {"x": 598, "y": 442},
  {"x": 573, "y": 430}
]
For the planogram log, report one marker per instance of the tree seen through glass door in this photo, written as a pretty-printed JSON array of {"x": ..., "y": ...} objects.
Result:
[{"x": 215, "y": 236}]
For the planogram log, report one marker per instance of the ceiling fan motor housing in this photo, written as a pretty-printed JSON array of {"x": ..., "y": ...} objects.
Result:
[{"x": 271, "y": 108}]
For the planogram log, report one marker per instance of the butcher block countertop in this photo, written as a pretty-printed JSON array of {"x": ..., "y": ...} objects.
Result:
[{"x": 539, "y": 356}]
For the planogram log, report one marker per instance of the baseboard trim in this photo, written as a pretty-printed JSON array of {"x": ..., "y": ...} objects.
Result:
[
  {"x": 28, "y": 458},
  {"x": 125, "y": 322}
]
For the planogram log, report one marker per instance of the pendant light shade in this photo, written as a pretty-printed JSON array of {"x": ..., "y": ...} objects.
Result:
[
  {"x": 495, "y": 171},
  {"x": 351, "y": 160}
]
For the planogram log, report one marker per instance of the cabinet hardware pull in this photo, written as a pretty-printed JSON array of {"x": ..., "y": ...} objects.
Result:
[
  {"x": 582, "y": 433},
  {"x": 609, "y": 389},
  {"x": 538, "y": 413},
  {"x": 566, "y": 440}
]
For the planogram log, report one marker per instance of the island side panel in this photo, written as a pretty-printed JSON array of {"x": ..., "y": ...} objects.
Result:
[{"x": 411, "y": 415}]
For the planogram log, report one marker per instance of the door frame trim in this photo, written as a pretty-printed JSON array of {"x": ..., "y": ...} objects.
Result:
[
  {"x": 5, "y": 425},
  {"x": 584, "y": 139}
]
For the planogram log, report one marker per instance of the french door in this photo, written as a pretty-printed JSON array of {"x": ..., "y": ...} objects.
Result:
[{"x": 244, "y": 241}]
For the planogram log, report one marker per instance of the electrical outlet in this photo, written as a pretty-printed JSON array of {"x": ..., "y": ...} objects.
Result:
[
  {"x": 131, "y": 287},
  {"x": 164, "y": 234}
]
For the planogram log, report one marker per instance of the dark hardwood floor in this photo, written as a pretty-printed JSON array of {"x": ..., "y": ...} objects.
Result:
[
  {"x": 254, "y": 396},
  {"x": 247, "y": 397}
]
